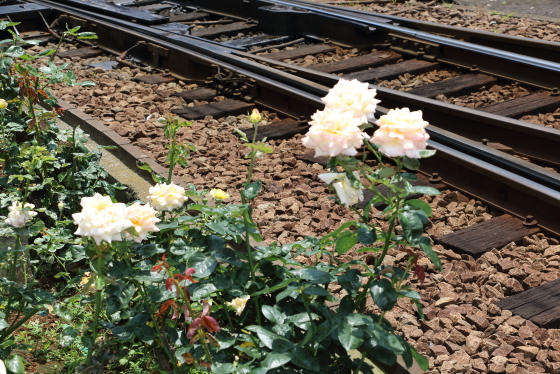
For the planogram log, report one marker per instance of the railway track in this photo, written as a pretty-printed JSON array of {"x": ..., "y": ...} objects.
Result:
[{"x": 503, "y": 172}]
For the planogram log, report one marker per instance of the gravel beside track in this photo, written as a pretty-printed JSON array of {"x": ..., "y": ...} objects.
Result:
[{"x": 464, "y": 331}]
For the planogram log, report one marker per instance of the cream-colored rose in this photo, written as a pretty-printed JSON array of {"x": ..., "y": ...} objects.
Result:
[
  {"x": 219, "y": 194},
  {"x": 239, "y": 304},
  {"x": 166, "y": 196},
  {"x": 101, "y": 219},
  {"x": 144, "y": 219},
  {"x": 255, "y": 117},
  {"x": 3, "y": 104},
  {"x": 20, "y": 214},
  {"x": 347, "y": 194},
  {"x": 333, "y": 133},
  {"x": 401, "y": 132},
  {"x": 3, "y": 368},
  {"x": 354, "y": 97}
]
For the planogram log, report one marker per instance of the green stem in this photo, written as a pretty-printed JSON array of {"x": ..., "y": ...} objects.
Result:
[
  {"x": 253, "y": 155},
  {"x": 12, "y": 275},
  {"x": 98, "y": 303},
  {"x": 360, "y": 364},
  {"x": 313, "y": 327},
  {"x": 57, "y": 46},
  {"x": 14, "y": 327},
  {"x": 164, "y": 343},
  {"x": 226, "y": 311}
]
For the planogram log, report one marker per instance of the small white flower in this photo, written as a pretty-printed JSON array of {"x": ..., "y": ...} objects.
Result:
[
  {"x": 20, "y": 214},
  {"x": 239, "y": 304},
  {"x": 347, "y": 194},
  {"x": 166, "y": 196}
]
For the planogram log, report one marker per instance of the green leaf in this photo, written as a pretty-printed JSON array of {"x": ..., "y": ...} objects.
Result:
[
  {"x": 63, "y": 312},
  {"x": 252, "y": 190},
  {"x": 202, "y": 291},
  {"x": 303, "y": 359},
  {"x": 273, "y": 315},
  {"x": 222, "y": 368},
  {"x": 421, "y": 360},
  {"x": 351, "y": 281},
  {"x": 411, "y": 163},
  {"x": 426, "y": 247},
  {"x": 203, "y": 265},
  {"x": 425, "y": 153},
  {"x": 367, "y": 236},
  {"x": 420, "y": 204},
  {"x": 425, "y": 190},
  {"x": 14, "y": 51},
  {"x": 349, "y": 336},
  {"x": 412, "y": 226},
  {"x": 313, "y": 275},
  {"x": 290, "y": 292},
  {"x": 146, "y": 334},
  {"x": 383, "y": 294},
  {"x": 346, "y": 241},
  {"x": 386, "y": 172},
  {"x": 3, "y": 324},
  {"x": 271, "y": 340},
  {"x": 274, "y": 360},
  {"x": 15, "y": 365},
  {"x": 280, "y": 285},
  {"x": 302, "y": 320},
  {"x": 224, "y": 339},
  {"x": 380, "y": 353},
  {"x": 87, "y": 35},
  {"x": 68, "y": 335},
  {"x": 315, "y": 290}
]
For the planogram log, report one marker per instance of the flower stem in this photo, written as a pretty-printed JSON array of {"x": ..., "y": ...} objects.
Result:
[
  {"x": 226, "y": 311},
  {"x": 164, "y": 343},
  {"x": 12, "y": 275},
  {"x": 98, "y": 303}
]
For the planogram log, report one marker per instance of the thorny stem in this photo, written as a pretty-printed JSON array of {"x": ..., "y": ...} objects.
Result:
[
  {"x": 313, "y": 327},
  {"x": 13, "y": 266},
  {"x": 57, "y": 46},
  {"x": 227, "y": 314}
]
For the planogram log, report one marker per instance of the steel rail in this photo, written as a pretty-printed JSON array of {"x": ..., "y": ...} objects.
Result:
[
  {"x": 498, "y": 179},
  {"x": 540, "y": 49},
  {"x": 472, "y": 124},
  {"x": 277, "y": 16}
]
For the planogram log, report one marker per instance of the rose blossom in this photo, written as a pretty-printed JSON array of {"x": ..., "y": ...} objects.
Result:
[
  {"x": 166, "y": 196},
  {"x": 218, "y": 194},
  {"x": 239, "y": 304},
  {"x": 101, "y": 219},
  {"x": 347, "y": 194},
  {"x": 401, "y": 132},
  {"x": 333, "y": 133},
  {"x": 3, "y": 104},
  {"x": 20, "y": 214},
  {"x": 144, "y": 219},
  {"x": 354, "y": 97}
]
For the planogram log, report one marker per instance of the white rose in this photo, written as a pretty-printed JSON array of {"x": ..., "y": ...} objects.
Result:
[
  {"x": 333, "y": 133},
  {"x": 20, "y": 214},
  {"x": 166, "y": 196},
  {"x": 401, "y": 132},
  {"x": 347, "y": 194},
  {"x": 239, "y": 304},
  {"x": 144, "y": 219},
  {"x": 352, "y": 97},
  {"x": 102, "y": 219}
]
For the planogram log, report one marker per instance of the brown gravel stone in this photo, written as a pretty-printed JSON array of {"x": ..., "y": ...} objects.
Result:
[
  {"x": 481, "y": 323},
  {"x": 439, "y": 350},
  {"x": 473, "y": 344},
  {"x": 503, "y": 350},
  {"x": 528, "y": 352}
]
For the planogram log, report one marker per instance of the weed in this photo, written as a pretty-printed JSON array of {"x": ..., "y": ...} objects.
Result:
[
  {"x": 508, "y": 16},
  {"x": 447, "y": 5}
]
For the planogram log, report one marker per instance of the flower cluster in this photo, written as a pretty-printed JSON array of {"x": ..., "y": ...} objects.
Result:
[
  {"x": 20, "y": 214},
  {"x": 101, "y": 219}
]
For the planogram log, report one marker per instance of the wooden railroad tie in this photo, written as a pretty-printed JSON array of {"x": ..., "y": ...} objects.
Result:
[
  {"x": 300, "y": 52},
  {"x": 457, "y": 86},
  {"x": 413, "y": 67},
  {"x": 229, "y": 29},
  {"x": 155, "y": 79},
  {"x": 81, "y": 53},
  {"x": 540, "y": 305},
  {"x": 539, "y": 102},
  {"x": 359, "y": 62},
  {"x": 217, "y": 110},
  {"x": 478, "y": 239},
  {"x": 188, "y": 17},
  {"x": 284, "y": 129},
  {"x": 198, "y": 94}
]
